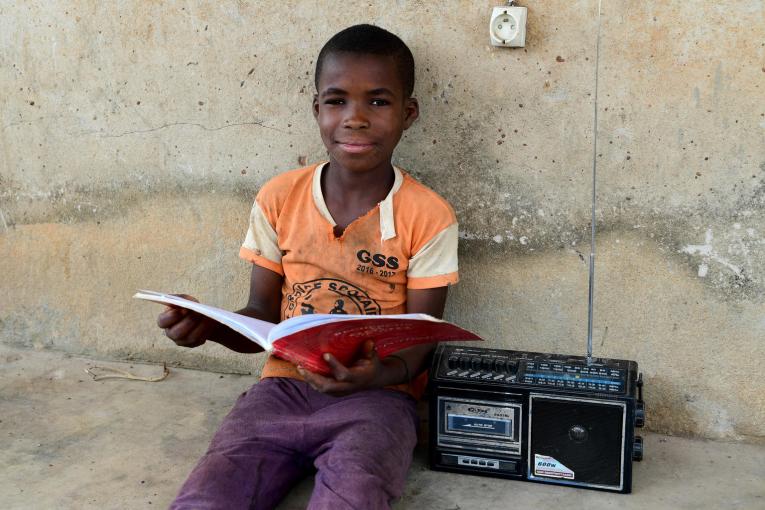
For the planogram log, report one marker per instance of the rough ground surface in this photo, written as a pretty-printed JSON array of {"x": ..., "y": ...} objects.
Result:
[{"x": 70, "y": 442}]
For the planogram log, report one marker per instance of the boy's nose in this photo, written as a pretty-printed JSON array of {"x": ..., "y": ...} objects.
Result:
[{"x": 355, "y": 119}]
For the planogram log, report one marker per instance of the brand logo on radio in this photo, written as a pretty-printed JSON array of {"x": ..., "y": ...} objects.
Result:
[{"x": 478, "y": 410}]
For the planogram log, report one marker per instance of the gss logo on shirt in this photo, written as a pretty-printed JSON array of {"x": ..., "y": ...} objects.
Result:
[{"x": 377, "y": 259}]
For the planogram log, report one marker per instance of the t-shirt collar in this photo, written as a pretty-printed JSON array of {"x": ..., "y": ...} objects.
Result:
[{"x": 387, "y": 223}]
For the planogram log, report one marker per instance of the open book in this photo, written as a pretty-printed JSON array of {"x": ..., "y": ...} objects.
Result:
[{"x": 304, "y": 338}]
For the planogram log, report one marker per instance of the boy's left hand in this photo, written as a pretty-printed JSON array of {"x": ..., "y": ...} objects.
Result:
[{"x": 364, "y": 374}]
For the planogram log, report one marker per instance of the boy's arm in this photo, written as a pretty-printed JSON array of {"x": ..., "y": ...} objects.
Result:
[
  {"x": 190, "y": 329},
  {"x": 372, "y": 372},
  {"x": 417, "y": 358}
]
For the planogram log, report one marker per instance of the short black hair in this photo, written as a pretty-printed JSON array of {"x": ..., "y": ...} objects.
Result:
[{"x": 370, "y": 40}]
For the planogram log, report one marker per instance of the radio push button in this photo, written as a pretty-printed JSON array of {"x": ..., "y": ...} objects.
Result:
[
  {"x": 475, "y": 363},
  {"x": 452, "y": 362},
  {"x": 500, "y": 365},
  {"x": 487, "y": 364}
]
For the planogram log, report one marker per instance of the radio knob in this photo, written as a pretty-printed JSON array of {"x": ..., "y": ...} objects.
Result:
[
  {"x": 637, "y": 449},
  {"x": 578, "y": 434},
  {"x": 639, "y": 414}
]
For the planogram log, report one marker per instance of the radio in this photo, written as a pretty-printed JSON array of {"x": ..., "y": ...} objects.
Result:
[{"x": 539, "y": 417}]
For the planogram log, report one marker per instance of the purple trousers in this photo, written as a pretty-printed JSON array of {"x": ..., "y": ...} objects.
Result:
[{"x": 360, "y": 447}]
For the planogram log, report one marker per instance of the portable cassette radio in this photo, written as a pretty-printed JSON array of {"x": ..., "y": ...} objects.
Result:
[{"x": 537, "y": 417}]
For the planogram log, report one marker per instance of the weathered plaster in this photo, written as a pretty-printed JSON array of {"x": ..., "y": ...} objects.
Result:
[{"x": 134, "y": 135}]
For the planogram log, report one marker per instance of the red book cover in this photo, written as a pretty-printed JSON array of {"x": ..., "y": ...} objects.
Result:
[{"x": 344, "y": 340}]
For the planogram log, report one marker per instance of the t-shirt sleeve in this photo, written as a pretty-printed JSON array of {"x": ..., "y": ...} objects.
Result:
[
  {"x": 260, "y": 244},
  {"x": 435, "y": 263}
]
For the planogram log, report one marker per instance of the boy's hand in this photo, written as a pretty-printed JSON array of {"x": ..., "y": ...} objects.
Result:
[
  {"x": 185, "y": 327},
  {"x": 367, "y": 372}
]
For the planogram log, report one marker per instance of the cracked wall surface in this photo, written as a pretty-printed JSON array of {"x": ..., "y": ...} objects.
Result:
[{"x": 134, "y": 136}]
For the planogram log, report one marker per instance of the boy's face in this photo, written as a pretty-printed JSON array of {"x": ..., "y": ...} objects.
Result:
[{"x": 362, "y": 110}]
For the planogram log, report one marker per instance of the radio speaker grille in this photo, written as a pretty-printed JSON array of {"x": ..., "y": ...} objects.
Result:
[{"x": 584, "y": 436}]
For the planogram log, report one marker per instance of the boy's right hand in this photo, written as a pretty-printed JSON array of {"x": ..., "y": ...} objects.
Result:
[{"x": 185, "y": 327}]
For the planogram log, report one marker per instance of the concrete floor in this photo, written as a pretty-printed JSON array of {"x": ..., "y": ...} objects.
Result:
[{"x": 70, "y": 442}]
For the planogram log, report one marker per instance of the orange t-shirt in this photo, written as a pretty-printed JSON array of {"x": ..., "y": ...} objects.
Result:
[{"x": 408, "y": 241}]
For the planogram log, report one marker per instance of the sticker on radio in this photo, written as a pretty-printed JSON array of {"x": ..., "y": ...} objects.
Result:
[{"x": 548, "y": 466}]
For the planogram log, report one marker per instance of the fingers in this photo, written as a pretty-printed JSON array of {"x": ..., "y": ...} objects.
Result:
[
  {"x": 319, "y": 382},
  {"x": 339, "y": 371},
  {"x": 370, "y": 351},
  {"x": 184, "y": 328},
  {"x": 198, "y": 335},
  {"x": 361, "y": 375},
  {"x": 330, "y": 385},
  {"x": 171, "y": 316}
]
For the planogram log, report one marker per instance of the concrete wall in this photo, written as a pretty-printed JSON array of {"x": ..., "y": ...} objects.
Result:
[{"x": 135, "y": 134}]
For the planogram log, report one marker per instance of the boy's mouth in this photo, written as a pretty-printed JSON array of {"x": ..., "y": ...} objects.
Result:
[{"x": 355, "y": 147}]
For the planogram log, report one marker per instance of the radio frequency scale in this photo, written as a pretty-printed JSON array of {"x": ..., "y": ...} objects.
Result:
[{"x": 537, "y": 417}]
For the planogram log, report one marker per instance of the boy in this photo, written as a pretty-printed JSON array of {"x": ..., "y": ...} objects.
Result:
[{"x": 354, "y": 235}]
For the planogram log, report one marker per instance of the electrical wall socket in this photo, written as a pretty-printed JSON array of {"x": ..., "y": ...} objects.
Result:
[{"x": 507, "y": 26}]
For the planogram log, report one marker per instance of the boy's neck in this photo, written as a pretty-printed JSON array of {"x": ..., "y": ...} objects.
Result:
[{"x": 350, "y": 194}]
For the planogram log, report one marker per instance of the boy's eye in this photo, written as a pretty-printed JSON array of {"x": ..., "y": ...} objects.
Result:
[
  {"x": 335, "y": 100},
  {"x": 380, "y": 102}
]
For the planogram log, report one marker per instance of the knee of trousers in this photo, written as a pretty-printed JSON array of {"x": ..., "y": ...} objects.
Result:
[
  {"x": 358, "y": 485},
  {"x": 368, "y": 464}
]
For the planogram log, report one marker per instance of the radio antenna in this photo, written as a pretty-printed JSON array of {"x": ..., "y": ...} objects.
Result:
[{"x": 591, "y": 291}]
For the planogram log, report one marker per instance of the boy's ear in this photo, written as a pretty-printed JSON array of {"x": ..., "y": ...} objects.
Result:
[
  {"x": 411, "y": 112},
  {"x": 315, "y": 106}
]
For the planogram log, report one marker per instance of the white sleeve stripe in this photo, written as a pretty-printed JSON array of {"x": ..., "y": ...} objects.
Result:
[
  {"x": 261, "y": 236},
  {"x": 437, "y": 257}
]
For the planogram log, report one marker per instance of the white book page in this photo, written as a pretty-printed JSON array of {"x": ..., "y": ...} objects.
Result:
[
  {"x": 254, "y": 329},
  {"x": 301, "y": 322}
]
